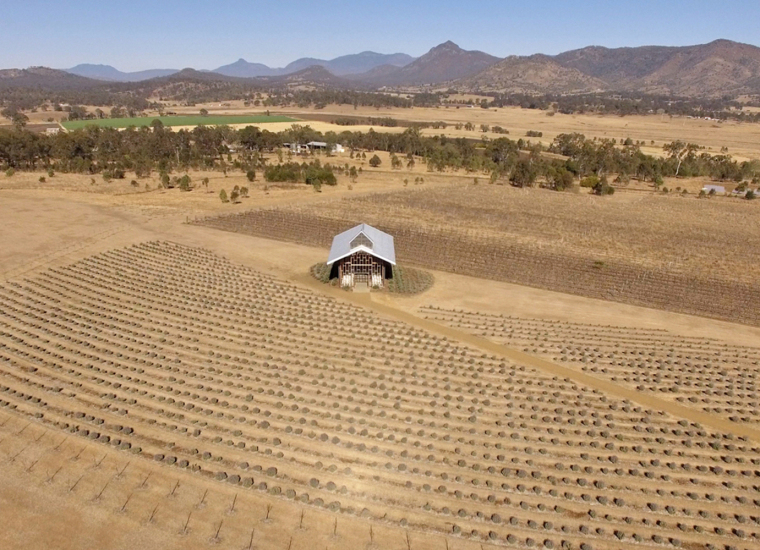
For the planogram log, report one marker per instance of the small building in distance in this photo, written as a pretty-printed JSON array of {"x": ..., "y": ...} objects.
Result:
[
  {"x": 322, "y": 145},
  {"x": 362, "y": 255},
  {"x": 714, "y": 189},
  {"x": 304, "y": 148}
]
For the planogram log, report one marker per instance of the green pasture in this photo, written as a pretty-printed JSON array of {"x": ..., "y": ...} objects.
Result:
[{"x": 193, "y": 120}]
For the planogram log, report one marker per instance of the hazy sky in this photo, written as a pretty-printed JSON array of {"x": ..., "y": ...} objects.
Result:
[{"x": 138, "y": 34}]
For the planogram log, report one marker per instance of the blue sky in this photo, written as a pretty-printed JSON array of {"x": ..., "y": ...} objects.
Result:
[{"x": 138, "y": 34}]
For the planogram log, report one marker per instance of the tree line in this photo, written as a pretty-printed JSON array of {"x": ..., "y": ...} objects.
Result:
[{"x": 569, "y": 158}]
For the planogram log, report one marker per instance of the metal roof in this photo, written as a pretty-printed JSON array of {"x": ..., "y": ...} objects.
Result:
[
  {"x": 382, "y": 244},
  {"x": 717, "y": 188}
]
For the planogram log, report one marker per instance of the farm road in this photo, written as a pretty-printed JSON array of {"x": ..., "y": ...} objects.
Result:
[{"x": 549, "y": 367}]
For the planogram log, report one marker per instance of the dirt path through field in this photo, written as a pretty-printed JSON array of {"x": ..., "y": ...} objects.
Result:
[{"x": 549, "y": 367}]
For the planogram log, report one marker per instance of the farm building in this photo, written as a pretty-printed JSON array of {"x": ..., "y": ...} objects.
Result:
[
  {"x": 363, "y": 255},
  {"x": 715, "y": 189},
  {"x": 299, "y": 148}
]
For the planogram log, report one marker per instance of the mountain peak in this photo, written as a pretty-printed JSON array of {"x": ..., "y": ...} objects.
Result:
[
  {"x": 447, "y": 46},
  {"x": 443, "y": 63}
]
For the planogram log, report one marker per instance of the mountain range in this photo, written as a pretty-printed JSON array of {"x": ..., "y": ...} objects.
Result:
[
  {"x": 716, "y": 69},
  {"x": 340, "y": 66},
  {"x": 111, "y": 74}
]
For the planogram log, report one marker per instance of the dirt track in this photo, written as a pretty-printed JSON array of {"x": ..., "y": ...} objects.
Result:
[{"x": 554, "y": 369}]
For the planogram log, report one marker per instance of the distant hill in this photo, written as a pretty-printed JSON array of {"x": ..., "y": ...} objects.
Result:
[
  {"x": 442, "y": 63},
  {"x": 316, "y": 75},
  {"x": 243, "y": 69},
  {"x": 44, "y": 78},
  {"x": 351, "y": 64},
  {"x": 534, "y": 74},
  {"x": 111, "y": 74},
  {"x": 340, "y": 66}
]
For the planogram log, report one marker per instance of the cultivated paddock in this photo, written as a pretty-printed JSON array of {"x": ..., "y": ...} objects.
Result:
[
  {"x": 172, "y": 360},
  {"x": 677, "y": 254}
]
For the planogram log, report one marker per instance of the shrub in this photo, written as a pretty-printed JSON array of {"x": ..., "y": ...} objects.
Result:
[
  {"x": 50, "y": 173},
  {"x": 603, "y": 188},
  {"x": 590, "y": 181},
  {"x": 534, "y": 133},
  {"x": 750, "y": 195},
  {"x": 251, "y": 175},
  {"x": 523, "y": 174},
  {"x": 9, "y": 172},
  {"x": 321, "y": 272},
  {"x": 560, "y": 179},
  {"x": 42, "y": 179},
  {"x": 375, "y": 161},
  {"x": 184, "y": 183},
  {"x": 223, "y": 196}
]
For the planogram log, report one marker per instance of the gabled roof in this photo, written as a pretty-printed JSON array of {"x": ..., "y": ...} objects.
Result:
[{"x": 382, "y": 244}]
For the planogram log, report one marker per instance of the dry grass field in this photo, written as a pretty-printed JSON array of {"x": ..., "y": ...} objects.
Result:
[
  {"x": 742, "y": 140},
  {"x": 166, "y": 384}
]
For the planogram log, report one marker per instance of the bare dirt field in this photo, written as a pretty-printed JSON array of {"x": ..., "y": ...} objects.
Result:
[{"x": 172, "y": 385}]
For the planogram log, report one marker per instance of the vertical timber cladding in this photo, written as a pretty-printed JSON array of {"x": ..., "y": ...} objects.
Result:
[{"x": 364, "y": 267}]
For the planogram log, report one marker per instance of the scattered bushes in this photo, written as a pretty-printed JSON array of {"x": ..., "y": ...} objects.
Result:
[{"x": 312, "y": 173}]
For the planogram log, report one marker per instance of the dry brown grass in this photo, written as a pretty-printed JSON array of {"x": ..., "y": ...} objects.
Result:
[
  {"x": 742, "y": 140},
  {"x": 99, "y": 340}
]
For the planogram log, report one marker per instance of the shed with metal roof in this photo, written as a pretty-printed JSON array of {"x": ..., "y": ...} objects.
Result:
[{"x": 362, "y": 255}]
